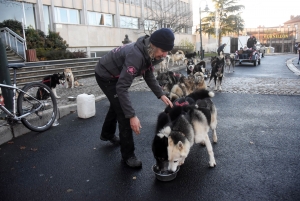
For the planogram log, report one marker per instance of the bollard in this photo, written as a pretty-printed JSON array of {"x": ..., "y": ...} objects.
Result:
[{"x": 5, "y": 78}]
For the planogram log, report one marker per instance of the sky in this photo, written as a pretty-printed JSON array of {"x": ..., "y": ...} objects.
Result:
[{"x": 266, "y": 13}]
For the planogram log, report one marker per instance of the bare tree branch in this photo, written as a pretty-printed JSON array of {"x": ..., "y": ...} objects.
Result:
[{"x": 175, "y": 15}]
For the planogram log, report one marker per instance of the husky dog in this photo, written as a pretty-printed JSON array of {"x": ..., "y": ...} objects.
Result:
[
  {"x": 180, "y": 127},
  {"x": 71, "y": 83},
  {"x": 229, "y": 61},
  {"x": 190, "y": 55},
  {"x": 164, "y": 65},
  {"x": 168, "y": 79},
  {"x": 184, "y": 87},
  {"x": 177, "y": 57},
  {"x": 199, "y": 80},
  {"x": 51, "y": 81},
  {"x": 193, "y": 68},
  {"x": 217, "y": 72}
]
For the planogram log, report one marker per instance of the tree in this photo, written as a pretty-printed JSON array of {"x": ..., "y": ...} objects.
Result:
[
  {"x": 226, "y": 19},
  {"x": 34, "y": 38},
  {"x": 14, "y": 25},
  {"x": 160, "y": 14},
  {"x": 55, "y": 41}
]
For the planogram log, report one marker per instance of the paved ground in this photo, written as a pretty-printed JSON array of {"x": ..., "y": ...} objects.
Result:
[
  {"x": 257, "y": 153},
  {"x": 231, "y": 85}
]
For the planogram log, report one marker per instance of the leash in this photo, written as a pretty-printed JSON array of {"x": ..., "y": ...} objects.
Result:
[{"x": 49, "y": 80}]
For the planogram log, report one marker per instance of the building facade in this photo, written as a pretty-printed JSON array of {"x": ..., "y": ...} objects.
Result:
[
  {"x": 93, "y": 26},
  {"x": 282, "y": 38}
]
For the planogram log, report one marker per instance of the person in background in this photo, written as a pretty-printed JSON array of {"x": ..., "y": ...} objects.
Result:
[
  {"x": 251, "y": 42},
  {"x": 115, "y": 72},
  {"x": 221, "y": 49},
  {"x": 296, "y": 48},
  {"x": 241, "y": 53},
  {"x": 299, "y": 52},
  {"x": 245, "y": 53}
]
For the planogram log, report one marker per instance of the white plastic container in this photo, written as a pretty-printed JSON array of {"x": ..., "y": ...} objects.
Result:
[{"x": 86, "y": 106}]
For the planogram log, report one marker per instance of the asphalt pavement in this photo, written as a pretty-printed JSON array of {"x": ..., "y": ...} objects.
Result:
[{"x": 257, "y": 156}]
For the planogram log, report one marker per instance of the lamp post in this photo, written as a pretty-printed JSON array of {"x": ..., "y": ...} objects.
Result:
[{"x": 200, "y": 29}]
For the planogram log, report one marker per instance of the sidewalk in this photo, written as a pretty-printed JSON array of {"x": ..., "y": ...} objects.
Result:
[{"x": 90, "y": 86}]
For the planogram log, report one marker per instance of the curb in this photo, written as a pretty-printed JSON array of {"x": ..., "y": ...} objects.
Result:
[{"x": 292, "y": 67}]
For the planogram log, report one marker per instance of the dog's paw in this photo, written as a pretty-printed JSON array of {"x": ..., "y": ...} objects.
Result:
[
  {"x": 215, "y": 138},
  {"x": 58, "y": 97},
  {"x": 212, "y": 163}
]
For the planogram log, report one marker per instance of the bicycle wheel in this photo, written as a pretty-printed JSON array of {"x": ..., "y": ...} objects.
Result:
[{"x": 31, "y": 99}]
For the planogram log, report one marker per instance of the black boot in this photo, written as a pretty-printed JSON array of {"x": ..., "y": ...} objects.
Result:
[
  {"x": 115, "y": 140},
  {"x": 133, "y": 162}
]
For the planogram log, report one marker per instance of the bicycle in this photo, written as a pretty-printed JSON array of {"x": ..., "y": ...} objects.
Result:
[{"x": 29, "y": 106}]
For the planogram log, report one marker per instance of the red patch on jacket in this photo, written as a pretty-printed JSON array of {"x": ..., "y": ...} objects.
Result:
[{"x": 131, "y": 70}]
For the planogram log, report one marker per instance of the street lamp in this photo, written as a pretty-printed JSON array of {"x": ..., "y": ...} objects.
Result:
[{"x": 200, "y": 30}]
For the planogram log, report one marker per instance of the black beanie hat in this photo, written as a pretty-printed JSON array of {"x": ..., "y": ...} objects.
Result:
[{"x": 163, "y": 38}]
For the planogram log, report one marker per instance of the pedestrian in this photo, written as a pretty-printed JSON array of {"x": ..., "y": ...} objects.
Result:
[
  {"x": 296, "y": 48},
  {"x": 115, "y": 73},
  {"x": 299, "y": 52},
  {"x": 221, "y": 49}
]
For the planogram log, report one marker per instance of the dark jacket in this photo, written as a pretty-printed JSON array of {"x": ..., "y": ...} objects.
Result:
[
  {"x": 220, "y": 48},
  {"x": 125, "y": 63},
  {"x": 251, "y": 42}
]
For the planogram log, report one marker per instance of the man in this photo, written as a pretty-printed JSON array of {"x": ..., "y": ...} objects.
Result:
[
  {"x": 221, "y": 49},
  {"x": 115, "y": 73},
  {"x": 251, "y": 42}
]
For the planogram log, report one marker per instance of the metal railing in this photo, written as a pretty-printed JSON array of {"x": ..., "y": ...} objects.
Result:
[{"x": 13, "y": 41}]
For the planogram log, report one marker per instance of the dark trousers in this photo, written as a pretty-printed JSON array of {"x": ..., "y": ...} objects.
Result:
[{"x": 116, "y": 115}]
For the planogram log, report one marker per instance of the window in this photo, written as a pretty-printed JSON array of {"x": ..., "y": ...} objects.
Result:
[
  {"x": 46, "y": 19},
  {"x": 128, "y": 22},
  {"x": 68, "y": 16},
  {"x": 93, "y": 54},
  {"x": 14, "y": 10},
  {"x": 149, "y": 24},
  {"x": 95, "y": 18}
]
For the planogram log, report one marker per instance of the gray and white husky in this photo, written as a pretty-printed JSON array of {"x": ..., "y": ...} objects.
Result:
[{"x": 180, "y": 127}]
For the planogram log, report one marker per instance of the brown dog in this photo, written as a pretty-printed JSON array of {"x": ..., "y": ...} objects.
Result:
[
  {"x": 184, "y": 87},
  {"x": 71, "y": 83},
  {"x": 199, "y": 81}
]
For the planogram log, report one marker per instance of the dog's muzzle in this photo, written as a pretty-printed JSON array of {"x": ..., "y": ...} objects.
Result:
[
  {"x": 191, "y": 67},
  {"x": 162, "y": 165}
]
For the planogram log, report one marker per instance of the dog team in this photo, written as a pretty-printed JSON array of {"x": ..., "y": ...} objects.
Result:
[{"x": 193, "y": 113}]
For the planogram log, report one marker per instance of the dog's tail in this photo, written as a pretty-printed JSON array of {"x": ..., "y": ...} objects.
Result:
[{"x": 201, "y": 94}]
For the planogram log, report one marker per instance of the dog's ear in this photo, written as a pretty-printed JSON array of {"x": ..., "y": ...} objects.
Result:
[{"x": 180, "y": 145}]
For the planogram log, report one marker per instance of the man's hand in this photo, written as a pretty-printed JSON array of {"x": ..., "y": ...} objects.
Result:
[
  {"x": 166, "y": 100},
  {"x": 135, "y": 124}
]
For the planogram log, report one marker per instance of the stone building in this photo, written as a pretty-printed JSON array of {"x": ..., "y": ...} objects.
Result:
[{"x": 94, "y": 26}]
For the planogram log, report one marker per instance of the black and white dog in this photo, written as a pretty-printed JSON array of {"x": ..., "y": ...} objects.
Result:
[
  {"x": 190, "y": 55},
  {"x": 181, "y": 126},
  {"x": 192, "y": 68},
  {"x": 51, "y": 81},
  {"x": 217, "y": 72}
]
